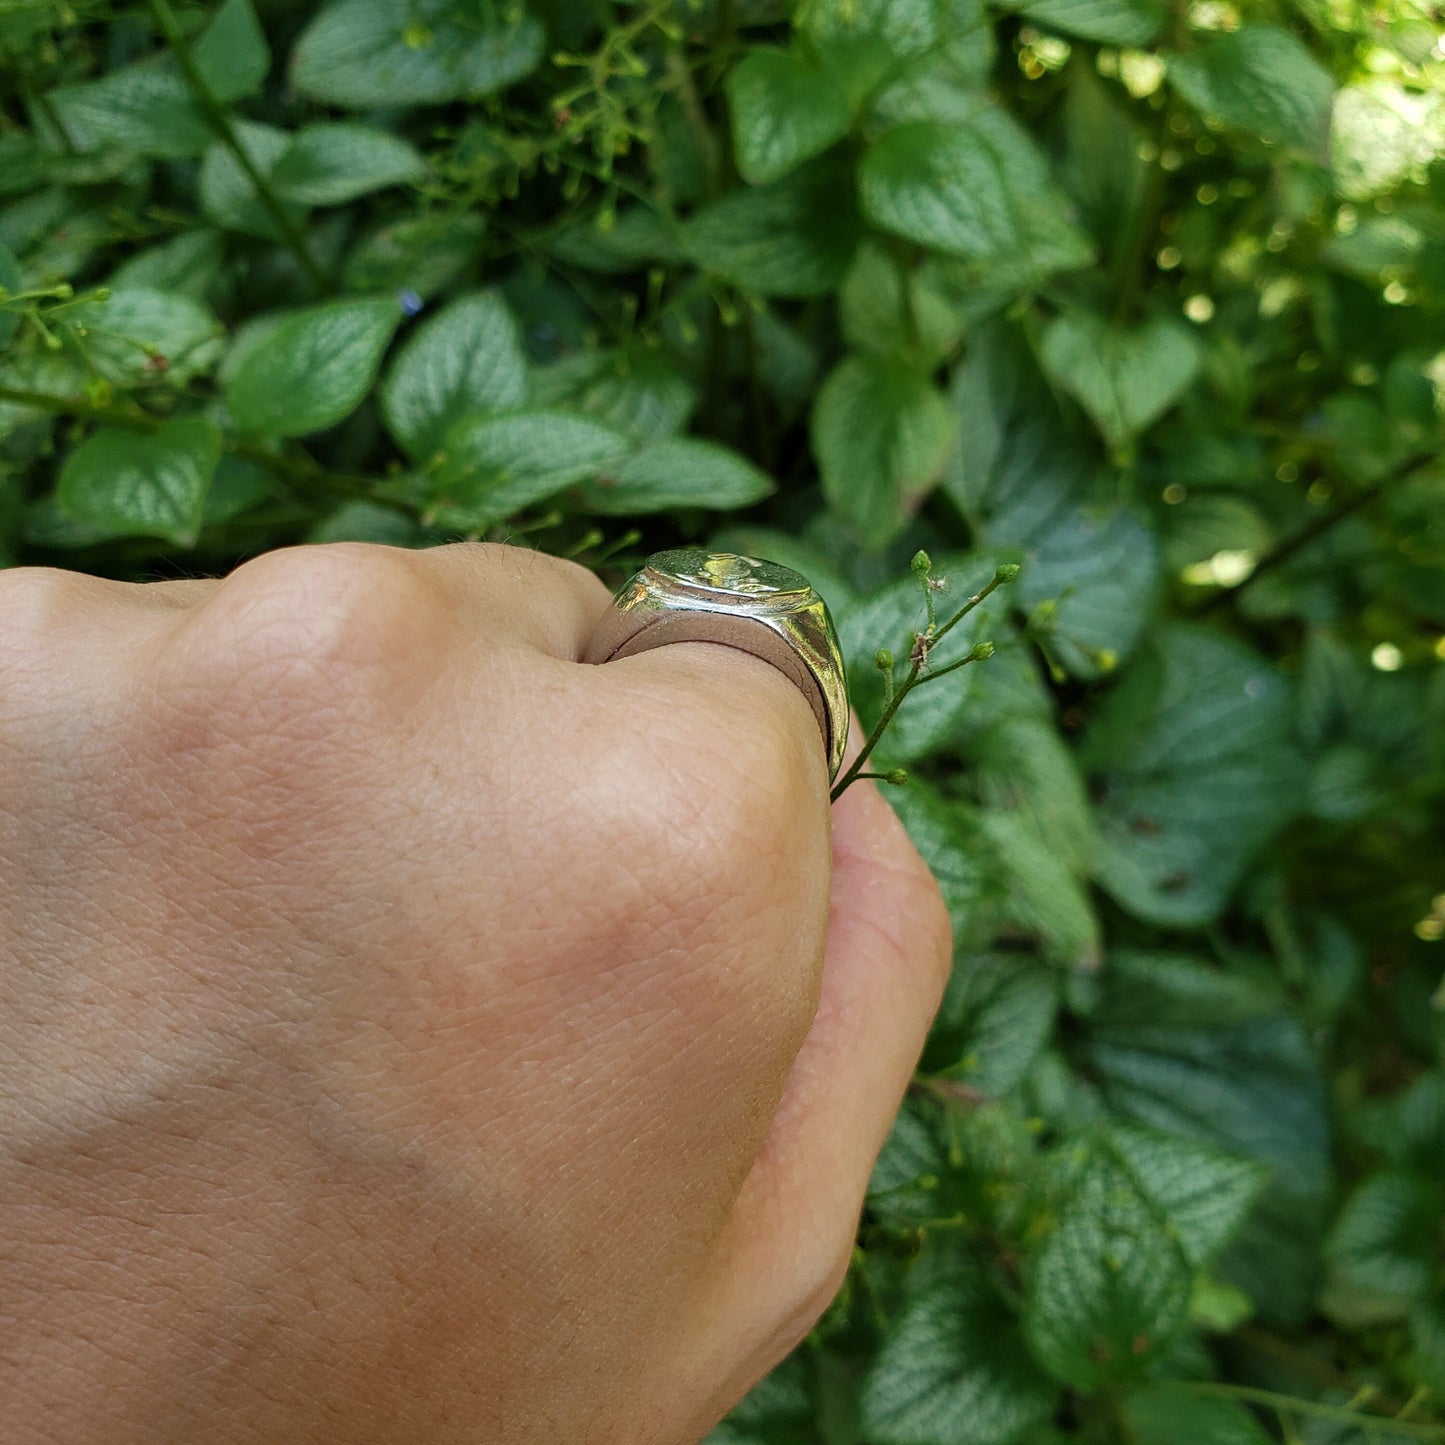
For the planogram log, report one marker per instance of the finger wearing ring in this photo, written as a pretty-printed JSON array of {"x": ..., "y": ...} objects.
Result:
[{"x": 761, "y": 607}]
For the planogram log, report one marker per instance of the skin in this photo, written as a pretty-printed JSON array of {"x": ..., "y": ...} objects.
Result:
[{"x": 408, "y": 1032}]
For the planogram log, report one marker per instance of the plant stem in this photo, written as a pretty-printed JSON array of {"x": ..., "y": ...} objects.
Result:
[
  {"x": 1312, "y": 533},
  {"x": 999, "y": 578},
  {"x": 306, "y": 475},
  {"x": 220, "y": 122},
  {"x": 854, "y": 772},
  {"x": 1271, "y": 1400},
  {"x": 916, "y": 674}
]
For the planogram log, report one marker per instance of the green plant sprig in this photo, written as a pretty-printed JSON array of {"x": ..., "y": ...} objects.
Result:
[
  {"x": 921, "y": 645},
  {"x": 220, "y": 123}
]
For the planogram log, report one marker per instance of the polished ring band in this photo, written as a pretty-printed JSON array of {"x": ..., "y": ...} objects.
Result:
[{"x": 759, "y": 607}]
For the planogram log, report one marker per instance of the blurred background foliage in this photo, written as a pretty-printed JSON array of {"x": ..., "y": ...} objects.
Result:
[{"x": 1145, "y": 295}]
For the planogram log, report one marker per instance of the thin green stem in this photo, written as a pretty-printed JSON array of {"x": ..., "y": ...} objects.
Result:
[
  {"x": 1316, "y": 529},
  {"x": 1003, "y": 575},
  {"x": 1271, "y": 1400},
  {"x": 979, "y": 654},
  {"x": 923, "y": 643},
  {"x": 86, "y": 411},
  {"x": 305, "y": 476},
  {"x": 220, "y": 122},
  {"x": 879, "y": 728}
]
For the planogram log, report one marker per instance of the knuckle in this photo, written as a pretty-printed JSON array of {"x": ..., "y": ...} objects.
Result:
[
  {"x": 338, "y": 606},
  {"x": 332, "y": 621},
  {"x": 292, "y": 668},
  {"x": 36, "y": 601}
]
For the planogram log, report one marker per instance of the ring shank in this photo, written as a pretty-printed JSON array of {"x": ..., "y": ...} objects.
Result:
[{"x": 746, "y": 634}]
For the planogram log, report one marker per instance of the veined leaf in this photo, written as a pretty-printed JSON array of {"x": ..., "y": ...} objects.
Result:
[
  {"x": 313, "y": 369},
  {"x": 678, "y": 472},
  {"x": 784, "y": 111},
  {"x": 1109, "y": 1289},
  {"x": 143, "y": 485},
  {"x": 232, "y": 53},
  {"x": 467, "y": 358},
  {"x": 977, "y": 189},
  {"x": 1263, "y": 80},
  {"x": 1124, "y": 377},
  {"x": 881, "y": 432},
  {"x": 497, "y": 465},
  {"x": 953, "y": 1367},
  {"x": 792, "y": 238},
  {"x": 332, "y": 162},
  {"x": 1197, "y": 768},
  {"x": 363, "y": 54}
]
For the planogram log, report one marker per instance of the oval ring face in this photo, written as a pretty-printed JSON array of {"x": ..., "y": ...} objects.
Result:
[
  {"x": 762, "y": 607},
  {"x": 730, "y": 574}
]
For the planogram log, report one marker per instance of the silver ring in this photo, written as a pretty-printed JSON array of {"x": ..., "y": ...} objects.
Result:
[{"x": 759, "y": 607}]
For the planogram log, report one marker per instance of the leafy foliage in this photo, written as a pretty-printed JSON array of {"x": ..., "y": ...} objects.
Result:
[{"x": 1144, "y": 298}]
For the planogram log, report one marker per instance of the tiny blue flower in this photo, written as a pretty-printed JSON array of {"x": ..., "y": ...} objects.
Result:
[{"x": 411, "y": 303}]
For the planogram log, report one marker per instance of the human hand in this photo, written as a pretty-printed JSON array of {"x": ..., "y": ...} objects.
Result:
[{"x": 408, "y": 1033}]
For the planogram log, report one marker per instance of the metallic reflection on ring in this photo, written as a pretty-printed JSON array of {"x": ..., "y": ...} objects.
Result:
[{"x": 757, "y": 606}]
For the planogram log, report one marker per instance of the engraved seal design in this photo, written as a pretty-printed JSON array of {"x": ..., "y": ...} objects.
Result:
[{"x": 728, "y": 572}]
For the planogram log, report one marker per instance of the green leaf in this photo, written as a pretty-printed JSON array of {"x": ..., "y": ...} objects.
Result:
[
  {"x": 1382, "y": 1250},
  {"x": 1126, "y": 378},
  {"x": 616, "y": 242},
  {"x": 227, "y": 196},
  {"x": 1174, "y": 1414},
  {"x": 314, "y": 369},
  {"x": 1205, "y": 1195},
  {"x": 1028, "y": 487},
  {"x": 792, "y": 238},
  {"x": 363, "y": 521},
  {"x": 1185, "y": 1049},
  {"x": 1110, "y": 22},
  {"x": 917, "y": 312},
  {"x": 978, "y": 189},
  {"x": 1427, "y": 1336},
  {"x": 139, "y": 333},
  {"x": 497, "y": 465},
  {"x": 634, "y": 389},
  {"x": 145, "y": 108},
  {"x": 945, "y": 82},
  {"x": 947, "y": 835},
  {"x": 424, "y": 253},
  {"x": 784, "y": 111},
  {"x": 232, "y": 54},
  {"x": 1262, "y": 80},
  {"x": 1382, "y": 134},
  {"x": 778, "y": 1411},
  {"x": 1110, "y": 1286},
  {"x": 237, "y": 486},
  {"x": 1196, "y": 769},
  {"x": 1040, "y": 896},
  {"x": 1409, "y": 1129},
  {"x": 677, "y": 472},
  {"x": 11, "y": 283},
  {"x": 952, "y": 1367},
  {"x": 187, "y": 264},
  {"x": 333, "y": 162},
  {"x": 467, "y": 358},
  {"x": 143, "y": 485},
  {"x": 881, "y": 432},
  {"x": 997, "y": 1015},
  {"x": 863, "y": 41},
  {"x": 363, "y": 54},
  {"x": 1022, "y": 765}
]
